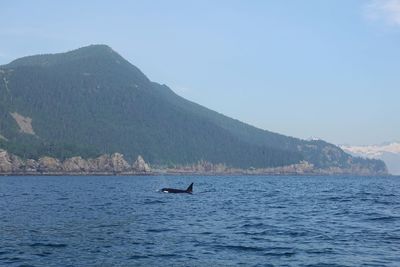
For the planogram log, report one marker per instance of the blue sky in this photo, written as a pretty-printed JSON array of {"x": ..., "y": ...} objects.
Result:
[{"x": 327, "y": 69}]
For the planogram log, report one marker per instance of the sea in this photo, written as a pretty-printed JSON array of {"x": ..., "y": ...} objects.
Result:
[{"x": 227, "y": 221}]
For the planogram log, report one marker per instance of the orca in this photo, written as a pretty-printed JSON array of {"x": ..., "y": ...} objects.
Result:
[{"x": 189, "y": 190}]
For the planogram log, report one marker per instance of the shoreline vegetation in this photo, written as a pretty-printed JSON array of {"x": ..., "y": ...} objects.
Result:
[{"x": 115, "y": 164}]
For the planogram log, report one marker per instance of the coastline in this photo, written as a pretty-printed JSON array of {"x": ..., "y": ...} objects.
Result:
[
  {"x": 157, "y": 174},
  {"x": 116, "y": 165}
]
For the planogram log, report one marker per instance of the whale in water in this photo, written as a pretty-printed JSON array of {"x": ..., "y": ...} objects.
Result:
[{"x": 189, "y": 190}]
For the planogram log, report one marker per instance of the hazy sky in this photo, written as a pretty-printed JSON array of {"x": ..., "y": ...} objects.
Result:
[{"x": 328, "y": 69}]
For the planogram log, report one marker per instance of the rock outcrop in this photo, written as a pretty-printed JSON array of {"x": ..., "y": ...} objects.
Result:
[
  {"x": 100, "y": 164},
  {"x": 24, "y": 123},
  {"x": 76, "y": 164},
  {"x": 104, "y": 164},
  {"x": 119, "y": 164},
  {"x": 140, "y": 165},
  {"x": 49, "y": 164},
  {"x": 5, "y": 162},
  {"x": 31, "y": 166},
  {"x": 10, "y": 163},
  {"x": 18, "y": 164}
]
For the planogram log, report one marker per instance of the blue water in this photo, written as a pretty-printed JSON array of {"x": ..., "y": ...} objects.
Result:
[{"x": 228, "y": 221}]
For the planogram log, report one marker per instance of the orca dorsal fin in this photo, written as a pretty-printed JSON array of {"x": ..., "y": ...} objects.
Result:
[{"x": 190, "y": 188}]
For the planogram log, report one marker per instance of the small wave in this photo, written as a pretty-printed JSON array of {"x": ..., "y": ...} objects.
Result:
[
  {"x": 153, "y": 202},
  {"x": 388, "y": 195},
  {"x": 51, "y": 245},
  {"x": 334, "y": 198},
  {"x": 384, "y": 218},
  {"x": 206, "y": 233},
  {"x": 253, "y": 225},
  {"x": 277, "y": 207},
  {"x": 208, "y": 191},
  {"x": 106, "y": 225},
  {"x": 158, "y": 230},
  {"x": 341, "y": 213},
  {"x": 296, "y": 234},
  {"x": 11, "y": 259},
  {"x": 261, "y": 233},
  {"x": 280, "y": 254},
  {"x": 320, "y": 251},
  {"x": 164, "y": 255},
  {"x": 137, "y": 257},
  {"x": 383, "y": 202},
  {"x": 240, "y": 248},
  {"x": 339, "y": 199},
  {"x": 321, "y": 264},
  {"x": 364, "y": 193},
  {"x": 43, "y": 254},
  {"x": 256, "y": 238}
]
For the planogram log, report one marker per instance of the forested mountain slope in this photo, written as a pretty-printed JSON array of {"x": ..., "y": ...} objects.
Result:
[{"x": 92, "y": 101}]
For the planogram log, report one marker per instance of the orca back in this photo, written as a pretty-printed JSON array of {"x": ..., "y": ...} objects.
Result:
[{"x": 190, "y": 188}]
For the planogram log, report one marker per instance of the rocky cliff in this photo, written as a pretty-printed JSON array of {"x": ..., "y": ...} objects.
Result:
[{"x": 104, "y": 164}]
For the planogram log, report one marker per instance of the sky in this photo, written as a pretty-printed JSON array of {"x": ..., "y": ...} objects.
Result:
[{"x": 311, "y": 68}]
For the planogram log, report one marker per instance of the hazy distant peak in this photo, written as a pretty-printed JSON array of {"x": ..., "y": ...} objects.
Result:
[
  {"x": 388, "y": 152},
  {"x": 374, "y": 150}
]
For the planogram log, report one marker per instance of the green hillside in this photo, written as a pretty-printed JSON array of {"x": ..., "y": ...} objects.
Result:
[{"x": 92, "y": 101}]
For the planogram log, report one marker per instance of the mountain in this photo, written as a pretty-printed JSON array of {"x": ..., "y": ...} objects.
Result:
[
  {"x": 91, "y": 101},
  {"x": 389, "y": 153}
]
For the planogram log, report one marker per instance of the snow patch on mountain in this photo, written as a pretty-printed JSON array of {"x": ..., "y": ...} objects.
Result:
[{"x": 388, "y": 152}]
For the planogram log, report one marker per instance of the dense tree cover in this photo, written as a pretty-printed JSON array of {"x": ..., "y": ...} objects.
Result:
[{"x": 91, "y": 100}]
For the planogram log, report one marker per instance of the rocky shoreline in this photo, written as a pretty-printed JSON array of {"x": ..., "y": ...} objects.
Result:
[{"x": 115, "y": 164}]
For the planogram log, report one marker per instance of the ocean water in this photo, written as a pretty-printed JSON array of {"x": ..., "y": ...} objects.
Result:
[{"x": 228, "y": 221}]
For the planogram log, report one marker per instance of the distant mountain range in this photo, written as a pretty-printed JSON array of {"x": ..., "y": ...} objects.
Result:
[
  {"x": 388, "y": 152},
  {"x": 91, "y": 101}
]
